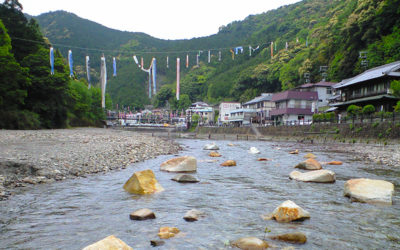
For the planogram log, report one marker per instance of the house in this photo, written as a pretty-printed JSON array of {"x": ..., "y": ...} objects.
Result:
[
  {"x": 263, "y": 106},
  {"x": 294, "y": 106},
  {"x": 325, "y": 92},
  {"x": 242, "y": 116},
  {"x": 225, "y": 109},
  {"x": 370, "y": 87},
  {"x": 205, "y": 111}
]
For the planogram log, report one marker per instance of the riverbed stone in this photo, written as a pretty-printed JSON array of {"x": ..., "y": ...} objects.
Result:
[
  {"x": 369, "y": 191},
  {"x": 228, "y": 163},
  {"x": 167, "y": 232},
  {"x": 185, "y": 178},
  {"x": 214, "y": 154},
  {"x": 250, "y": 243},
  {"x": 193, "y": 215},
  {"x": 286, "y": 212},
  {"x": 334, "y": 163},
  {"x": 254, "y": 150},
  {"x": 320, "y": 176},
  {"x": 296, "y": 237},
  {"x": 142, "y": 214},
  {"x": 143, "y": 182},
  {"x": 310, "y": 155},
  {"x": 180, "y": 164},
  {"x": 109, "y": 243},
  {"x": 294, "y": 152},
  {"x": 157, "y": 243},
  {"x": 211, "y": 146},
  {"x": 309, "y": 164}
]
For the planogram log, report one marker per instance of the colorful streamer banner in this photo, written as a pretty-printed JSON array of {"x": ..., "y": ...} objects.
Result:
[
  {"x": 209, "y": 56},
  {"x": 71, "y": 62},
  {"x": 136, "y": 60},
  {"x": 103, "y": 80},
  {"x": 178, "y": 65},
  {"x": 238, "y": 49},
  {"x": 197, "y": 60},
  {"x": 272, "y": 49},
  {"x": 187, "y": 60},
  {"x": 167, "y": 62},
  {"x": 233, "y": 54},
  {"x": 219, "y": 55},
  {"x": 88, "y": 71},
  {"x": 154, "y": 67},
  {"x": 286, "y": 46},
  {"x": 52, "y": 60},
  {"x": 114, "y": 67}
]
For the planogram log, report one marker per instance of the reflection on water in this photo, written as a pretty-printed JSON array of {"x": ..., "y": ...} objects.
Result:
[{"x": 75, "y": 213}]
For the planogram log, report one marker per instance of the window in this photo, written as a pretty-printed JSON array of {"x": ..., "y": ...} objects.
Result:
[{"x": 328, "y": 90}]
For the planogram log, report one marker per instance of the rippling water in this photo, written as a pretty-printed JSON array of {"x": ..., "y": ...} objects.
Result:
[{"x": 75, "y": 213}]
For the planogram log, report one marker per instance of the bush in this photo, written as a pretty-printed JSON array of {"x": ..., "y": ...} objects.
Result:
[
  {"x": 354, "y": 110},
  {"x": 375, "y": 124},
  {"x": 368, "y": 109},
  {"x": 21, "y": 119}
]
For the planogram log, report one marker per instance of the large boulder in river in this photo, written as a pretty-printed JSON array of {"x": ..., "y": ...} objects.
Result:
[
  {"x": 211, "y": 146},
  {"x": 320, "y": 176},
  {"x": 254, "y": 150},
  {"x": 143, "y": 182},
  {"x": 109, "y": 243},
  {"x": 369, "y": 191},
  {"x": 250, "y": 243},
  {"x": 180, "y": 164},
  {"x": 286, "y": 212},
  {"x": 309, "y": 164}
]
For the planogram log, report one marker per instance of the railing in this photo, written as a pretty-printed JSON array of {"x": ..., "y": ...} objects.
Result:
[{"x": 363, "y": 118}]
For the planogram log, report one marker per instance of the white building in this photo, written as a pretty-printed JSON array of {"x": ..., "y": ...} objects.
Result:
[
  {"x": 205, "y": 111},
  {"x": 225, "y": 109},
  {"x": 324, "y": 90},
  {"x": 263, "y": 106}
]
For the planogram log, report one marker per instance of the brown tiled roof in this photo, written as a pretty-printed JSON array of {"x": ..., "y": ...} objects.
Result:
[{"x": 297, "y": 95}]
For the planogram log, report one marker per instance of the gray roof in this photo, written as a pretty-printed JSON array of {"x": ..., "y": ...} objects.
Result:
[
  {"x": 263, "y": 97},
  {"x": 370, "y": 74}
]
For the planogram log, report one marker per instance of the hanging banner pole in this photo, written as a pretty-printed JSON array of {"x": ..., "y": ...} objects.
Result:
[{"x": 178, "y": 65}]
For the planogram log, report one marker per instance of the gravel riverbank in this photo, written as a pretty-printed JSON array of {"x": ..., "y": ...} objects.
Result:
[{"x": 41, "y": 156}]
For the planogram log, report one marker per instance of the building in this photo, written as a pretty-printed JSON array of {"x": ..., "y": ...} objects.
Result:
[
  {"x": 263, "y": 106},
  {"x": 225, "y": 109},
  {"x": 325, "y": 92},
  {"x": 369, "y": 87},
  {"x": 294, "y": 106},
  {"x": 242, "y": 116},
  {"x": 205, "y": 111}
]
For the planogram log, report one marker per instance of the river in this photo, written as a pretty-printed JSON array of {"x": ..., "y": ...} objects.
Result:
[{"x": 75, "y": 213}]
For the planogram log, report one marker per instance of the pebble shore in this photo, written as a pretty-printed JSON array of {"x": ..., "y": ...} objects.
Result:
[{"x": 43, "y": 156}]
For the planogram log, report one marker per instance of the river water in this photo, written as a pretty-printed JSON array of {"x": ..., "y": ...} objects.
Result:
[{"x": 75, "y": 213}]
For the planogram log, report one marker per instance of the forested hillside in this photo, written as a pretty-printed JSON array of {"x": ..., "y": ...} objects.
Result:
[{"x": 317, "y": 32}]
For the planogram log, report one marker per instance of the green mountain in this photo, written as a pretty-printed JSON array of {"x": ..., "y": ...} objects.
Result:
[{"x": 318, "y": 33}]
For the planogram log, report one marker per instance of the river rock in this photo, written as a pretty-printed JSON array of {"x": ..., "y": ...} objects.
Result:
[
  {"x": 294, "y": 152},
  {"x": 228, "y": 163},
  {"x": 185, "y": 178},
  {"x": 309, "y": 164},
  {"x": 254, "y": 150},
  {"x": 180, "y": 164},
  {"x": 320, "y": 176},
  {"x": 250, "y": 243},
  {"x": 297, "y": 237},
  {"x": 109, "y": 243},
  {"x": 369, "y": 191},
  {"x": 263, "y": 159},
  {"x": 193, "y": 215},
  {"x": 214, "y": 154},
  {"x": 334, "y": 163},
  {"x": 211, "y": 146},
  {"x": 156, "y": 243},
  {"x": 142, "y": 214},
  {"x": 167, "y": 232},
  {"x": 286, "y": 212},
  {"x": 310, "y": 155},
  {"x": 143, "y": 182}
]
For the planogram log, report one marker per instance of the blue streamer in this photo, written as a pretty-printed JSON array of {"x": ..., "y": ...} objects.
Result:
[
  {"x": 154, "y": 76},
  {"x": 88, "y": 70},
  {"x": 71, "y": 62},
  {"x": 52, "y": 60},
  {"x": 114, "y": 66}
]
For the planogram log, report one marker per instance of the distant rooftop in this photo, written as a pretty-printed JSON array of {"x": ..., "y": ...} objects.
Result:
[
  {"x": 318, "y": 84},
  {"x": 297, "y": 95},
  {"x": 263, "y": 97},
  {"x": 381, "y": 71}
]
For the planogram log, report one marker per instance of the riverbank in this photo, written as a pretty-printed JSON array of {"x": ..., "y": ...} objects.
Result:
[{"x": 43, "y": 156}]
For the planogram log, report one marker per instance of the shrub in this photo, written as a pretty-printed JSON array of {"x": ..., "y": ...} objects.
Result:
[
  {"x": 354, "y": 110},
  {"x": 368, "y": 109},
  {"x": 375, "y": 124}
]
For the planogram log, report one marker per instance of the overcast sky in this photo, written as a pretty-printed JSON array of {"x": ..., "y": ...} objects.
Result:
[{"x": 166, "y": 19}]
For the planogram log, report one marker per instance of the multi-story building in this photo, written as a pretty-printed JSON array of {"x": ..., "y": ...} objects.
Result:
[
  {"x": 325, "y": 92},
  {"x": 263, "y": 106},
  {"x": 202, "y": 109},
  {"x": 369, "y": 87},
  {"x": 225, "y": 109}
]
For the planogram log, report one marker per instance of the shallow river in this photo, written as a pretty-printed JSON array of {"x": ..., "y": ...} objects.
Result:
[{"x": 75, "y": 213}]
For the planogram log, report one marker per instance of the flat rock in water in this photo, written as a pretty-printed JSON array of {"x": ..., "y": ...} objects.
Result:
[
  {"x": 167, "y": 232},
  {"x": 211, "y": 146},
  {"x": 143, "y": 182},
  {"x": 214, "y": 154},
  {"x": 286, "y": 212},
  {"x": 310, "y": 155},
  {"x": 320, "y": 176},
  {"x": 252, "y": 243},
  {"x": 309, "y": 164},
  {"x": 156, "y": 243},
  {"x": 369, "y": 191},
  {"x": 193, "y": 215},
  {"x": 229, "y": 163},
  {"x": 185, "y": 178},
  {"x": 142, "y": 214},
  {"x": 180, "y": 164},
  {"x": 110, "y": 242},
  {"x": 334, "y": 163},
  {"x": 297, "y": 238}
]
